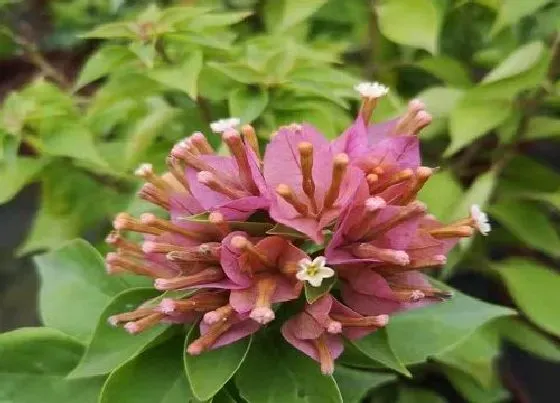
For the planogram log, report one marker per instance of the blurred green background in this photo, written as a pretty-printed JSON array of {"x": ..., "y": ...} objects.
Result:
[{"x": 91, "y": 88}]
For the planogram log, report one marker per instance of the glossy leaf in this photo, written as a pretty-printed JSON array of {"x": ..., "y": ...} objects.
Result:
[
  {"x": 410, "y": 22},
  {"x": 154, "y": 376},
  {"x": 534, "y": 288},
  {"x": 377, "y": 346},
  {"x": 290, "y": 376},
  {"x": 247, "y": 104},
  {"x": 111, "y": 346},
  {"x": 34, "y": 365},
  {"x": 75, "y": 288},
  {"x": 354, "y": 384},
  {"x": 528, "y": 223},
  {"x": 210, "y": 371},
  {"x": 440, "y": 326}
]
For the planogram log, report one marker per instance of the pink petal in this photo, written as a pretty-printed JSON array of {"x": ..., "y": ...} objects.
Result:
[
  {"x": 354, "y": 140},
  {"x": 229, "y": 260},
  {"x": 334, "y": 343},
  {"x": 243, "y": 328}
]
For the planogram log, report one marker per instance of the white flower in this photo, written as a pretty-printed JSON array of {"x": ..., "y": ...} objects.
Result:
[
  {"x": 480, "y": 219},
  {"x": 371, "y": 90},
  {"x": 220, "y": 126},
  {"x": 314, "y": 271}
]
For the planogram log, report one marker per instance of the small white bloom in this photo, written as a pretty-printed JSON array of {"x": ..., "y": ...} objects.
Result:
[
  {"x": 480, "y": 219},
  {"x": 371, "y": 90},
  {"x": 220, "y": 126},
  {"x": 144, "y": 170},
  {"x": 314, "y": 271}
]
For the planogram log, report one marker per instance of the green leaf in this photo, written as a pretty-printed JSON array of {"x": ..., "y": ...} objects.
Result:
[
  {"x": 102, "y": 63},
  {"x": 354, "y": 384},
  {"x": 410, "y": 22},
  {"x": 407, "y": 394},
  {"x": 210, "y": 371},
  {"x": 534, "y": 288},
  {"x": 34, "y": 365},
  {"x": 475, "y": 355},
  {"x": 74, "y": 288},
  {"x": 247, "y": 103},
  {"x": 540, "y": 234},
  {"x": 287, "y": 232},
  {"x": 511, "y": 11},
  {"x": 15, "y": 175},
  {"x": 217, "y": 20},
  {"x": 523, "y": 59},
  {"x": 377, "y": 347},
  {"x": 471, "y": 390},
  {"x": 440, "y": 326},
  {"x": 182, "y": 77},
  {"x": 312, "y": 294},
  {"x": 447, "y": 69},
  {"x": 282, "y": 15},
  {"x": 541, "y": 127},
  {"x": 479, "y": 193},
  {"x": 238, "y": 72},
  {"x": 528, "y": 338},
  {"x": 440, "y": 101},
  {"x": 154, "y": 376},
  {"x": 276, "y": 372},
  {"x": 110, "y": 346},
  {"x": 442, "y": 204},
  {"x": 473, "y": 118},
  {"x": 112, "y": 30}
]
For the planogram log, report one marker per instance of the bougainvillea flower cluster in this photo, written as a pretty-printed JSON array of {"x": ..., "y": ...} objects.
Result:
[{"x": 330, "y": 232}]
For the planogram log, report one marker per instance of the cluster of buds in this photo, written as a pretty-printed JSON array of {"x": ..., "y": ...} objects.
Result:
[{"x": 245, "y": 234}]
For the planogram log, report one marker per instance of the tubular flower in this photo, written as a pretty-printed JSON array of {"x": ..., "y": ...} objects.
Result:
[{"x": 241, "y": 236}]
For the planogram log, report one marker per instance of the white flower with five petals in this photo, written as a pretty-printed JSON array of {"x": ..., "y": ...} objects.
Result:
[
  {"x": 371, "y": 90},
  {"x": 314, "y": 271}
]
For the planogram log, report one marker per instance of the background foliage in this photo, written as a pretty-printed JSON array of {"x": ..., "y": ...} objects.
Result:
[{"x": 113, "y": 83}]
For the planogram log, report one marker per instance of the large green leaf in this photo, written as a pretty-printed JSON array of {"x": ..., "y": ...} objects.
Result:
[
  {"x": 155, "y": 376},
  {"x": 523, "y": 59},
  {"x": 15, "y": 175},
  {"x": 33, "y": 367},
  {"x": 75, "y": 288},
  {"x": 529, "y": 223},
  {"x": 210, "y": 371},
  {"x": 529, "y": 338},
  {"x": 276, "y": 372},
  {"x": 534, "y": 288},
  {"x": 247, "y": 104},
  {"x": 473, "y": 118},
  {"x": 101, "y": 63},
  {"x": 421, "y": 333},
  {"x": 354, "y": 384},
  {"x": 111, "y": 346},
  {"x": 511, "y": 11},
  {"x": 377, "y": 346},
  {"x": 410, "y": 22}
]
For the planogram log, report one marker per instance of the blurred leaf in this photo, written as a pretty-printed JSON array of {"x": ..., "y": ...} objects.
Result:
[
  {"x": 210, "y": 371},
  {"x": 312, "y": 294},
  {"x": 247, "y": 103},
  {"x": 447, "y": 69},
  {"x": 440, "y": 101},
  {"x": 182, "y": 77},
  {"x": 523, "y": 59},
  {"x": 282, "y": 15},
  {"x": 471, "y": 390},
  {"x": 410, "y": 22},
  {"x": 440, "y": 326},
  {"x": 154, "y": 376},
  {"x": 290, "y": 375},
  {"x": 34, "y": 365},
  {"x": 75, "y": 272},
  {"x": 102, "y": 63},
  {"x": 238, "y": 72},
  {"x": 145, "y": 51},
  {"x": 511, "y": 11},
  {"x": 14, "y": 176},
  {"x": 528, "y": 338},
  {"x": 442, "y": 204},
  {"x": 377, "y": 347},
  {"x": 542, "y": 127},
  {"x": 110, "y": 346},
  {"x": 354, "y": 384},
  {"x": 214, "y": 20},
  {"x": 416, "y": 395},
  {"x": 524, "y": 174},
  {"x": 534, "y": 288},
  {"x": 540, "y": 234},
  {"x": 112, "y": 30},
  {"x": 475, "y": 356},
  {"x": 471, "y": 119}
]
